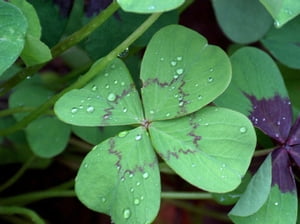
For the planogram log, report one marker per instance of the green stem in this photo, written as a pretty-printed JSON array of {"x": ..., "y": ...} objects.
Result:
[
  {"x": 94, "y": 70},
  {"x": 15, "y": 210},
  {"x": 65, "y": 44},
  {"x": 27, "y": 198},
  {"x": 186, "y": 195},
  {"x": 263, "y": 152},
  {"x": 15, "y": 177}
]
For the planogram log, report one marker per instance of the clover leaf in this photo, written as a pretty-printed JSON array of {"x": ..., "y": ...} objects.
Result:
[{"x": 120, "y": 176}]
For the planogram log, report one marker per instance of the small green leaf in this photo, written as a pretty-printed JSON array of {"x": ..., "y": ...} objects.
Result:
[
  {"x": 207, "y": 148},
  {"x": 280, "y": 208},
  {"x": 256, "y": 193},
  {"x": 181, "y": 73},
  {"x": 35, "y": 51},
  {"x": 149, "y": 6},
  {"x": 120, "y": 177},
  {"x": 282, "y": 11},
  {"x": 13, "y": 26},
  {"x": 109, "y": 99},
  {"x": 283, "y": 43},
  {"x": 236, "y": 19},
  {"x": 53, "y": 136}
]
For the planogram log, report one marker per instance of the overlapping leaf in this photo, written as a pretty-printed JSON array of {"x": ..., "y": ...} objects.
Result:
[
  {"x": 149, "y": 6},
  {"x": 109, "y": 99},
  {"x": 282, "y": 11},
  {"x": 283, "y": 43},
  {"x": 120, "y": 177},
  {"x": 13, "y": 27},
  {"x": 181, "y": 73},
  {"x": 236, "y": 19},
  {"x": 209, "y": 147}
]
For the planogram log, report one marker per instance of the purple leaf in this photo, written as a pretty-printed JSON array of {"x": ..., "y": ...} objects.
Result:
[
  {"x": 282, "y": 174},
  {"x": 273, "y": 116},
  {"x": 294, "y": 153},
  {"x": 294, "y": 137}
]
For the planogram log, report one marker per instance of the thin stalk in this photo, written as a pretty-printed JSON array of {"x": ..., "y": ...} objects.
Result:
[
  {"x": 263, "y": 152},
  {"x": 62, "y": 46},
  {"x": 94, "y": 70},
  {"x": 27, "y": 198},
  {"x": 17, "y": 175},
  {"x": 186, "y": 195},
  {"x": 15, "y": 210}
]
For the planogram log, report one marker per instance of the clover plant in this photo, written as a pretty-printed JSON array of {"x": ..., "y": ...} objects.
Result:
[{"x": 127, "y": 100}]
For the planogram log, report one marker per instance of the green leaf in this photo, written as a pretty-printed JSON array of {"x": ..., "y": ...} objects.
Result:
[
  {"x": 35, "y": 51},
  {"x": 207, "y": 148},
  {"x": 283, "y": 43},
  {"x": 47, "y": 136},
  {"x": 109, "y": 99},
  {"x": 28, "y": 96},
  {"x": 149, "y": 6},
  {"x": 256, "y": 193},
  {"x": 280, "y": 208},
  {"x": 13, "y": 26},
  {"x": 241, "y": 20},
  {"x": 282, "y": 10},
  {"x": 120, "y": 177},
  {"x": 181, "y": 73},
  {"x": 255, "y": 74}
]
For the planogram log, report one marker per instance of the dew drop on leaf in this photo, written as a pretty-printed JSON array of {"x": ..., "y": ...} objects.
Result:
[
  {"x": 211, "y": 69},
  {"x": 276, "y": 203},
  {"x": 106, "y": 86},
  {"x": 161, "y": 59},
  {"x": 210, "y": 79},
  {"x": 142, "y": 197},
  {"x": 200, "y": 97},
  {"x": 145, "y": 175},
  {"x": 175, "y": 76},
  {"x": 122, "y": 83},
  {"x": 168, "y": 114},
  {"x": 124, "y": 109},
  {"x": 179, "y": 58},
  {"x": 111, "y": 97},
  {"x": 243, "y": 130},
  {"x": 179, "y": 71},
  {"x": 74, "y": 110},
  {"x": 193, "y": 165},
  {"x": 181, "y": 103},
  {"x": 94, "y": 88},
  {"x": 173, "y": 63},
  {"x": 90, "y": 109},
  {"x": 103, "y": 199},
  {"x": 138, "y": 183},
  {"x": 116, "y": 82},
  {"x": 278, "y": 123},
  {"x": 123, "y": 134},
  {"x": 126, "y": 213},
  {"x": 138, "y": 137},
  {"x": 136, "y": 201},
  {"x": 151, "y": 111},
  {"x": 106, "y": 74},
  {"x": 131, "y": 190}
]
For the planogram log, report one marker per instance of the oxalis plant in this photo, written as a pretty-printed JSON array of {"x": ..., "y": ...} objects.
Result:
[{"x": 152, "y": 97}]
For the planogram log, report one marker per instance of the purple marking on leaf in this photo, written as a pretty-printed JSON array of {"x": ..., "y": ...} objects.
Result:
[
  {"x": 111, "y": 150},
  {"x": 192, "y": 133},
  {"x": 167, "y": 156},
  {"x": 273, "y": 116},
  {"x": 294, "y": 152},
  {"x": 282, "y": 174},
  {"x": 294, "y": 137}
]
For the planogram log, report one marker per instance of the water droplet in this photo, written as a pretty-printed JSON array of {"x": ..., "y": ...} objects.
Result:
[
  {"x": 193, "y": 165},
  {"x": 278, "y": 123},
  {"x": 145, "y": 175},
  {"x": 210, "y": 79},
  {"x": 168, "y": 114},
  {"x": 90, "y": 109},
  {"x": 126, "y": 213},
  {"x": 113, "y": 66},
  {"x": 161, "y": 59},
  {"x": 106, "y": 86},
  {"x": 175, "y": 76},
  {"x": 276, "y": 203},
  {"x": 124, "y": 53},
  {"x": 28, "y": 77},
  {"x": 122, "y": 179},
  {"x": 106, "y": 74},
  {"x": 124, "y": 109},
  {"x": 74, "y": 110},
  {"x": 179, "y": 71},
  {"x": 151, "y": 7},
  {"x": 106, "y": 117},
  {"x": 131, "y": 190},
  {"x": 116, "y": 82},
  {"x": 173, "y": 63},
  {"x": 196, "y": 85},
  {"x": 283, "y": 118},
  {"x": 181, "y": 103},
  {"x": 138, "y": 183},
  {"x": 111, "y": 97},
  {"x": 206, "y": 124},
  {"x": 131, "y": 175},
  {"x": 179, "y": 58},
  {"x": 123, "y": 134},
  {"x": 211, "y": 69},
  {"x": 86, "y": 165},
  {"x": 80, "y": 107},
  {"x": 122, "y": 83},
  {"x": 138, "y": 137},
  {"x": 277, "y": 23},
  {"x": 142, "y": 197},
  {"x": 264, "y": 119},
  {"x": 277, "y": 135},
  {"x": 151, "y": 111},
  {"x": 89, "y": 98},
  {"x": 103, "y": 199},
  {"x": 136, "y": 201},
  {"x": 243, "y": 130},
  {"x": 200, "y": 97},
  {"x": 94, "y": 88}
]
